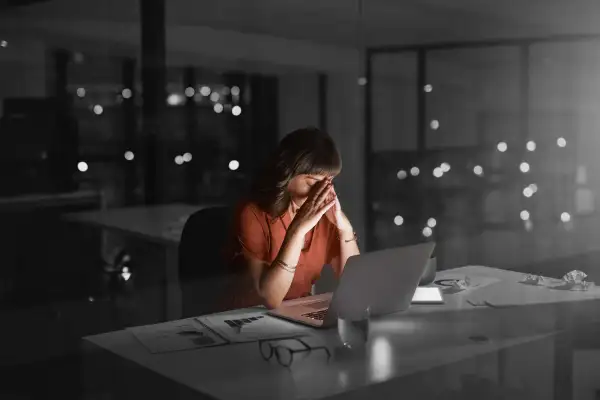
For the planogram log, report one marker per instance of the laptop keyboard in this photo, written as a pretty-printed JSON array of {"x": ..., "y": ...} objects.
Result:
[
  {"x": 317, "y": 304},
  {"x": 316, "y": 315}
]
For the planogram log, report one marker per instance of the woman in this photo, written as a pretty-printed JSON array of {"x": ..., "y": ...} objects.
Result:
[{"x": 291, "y": 224}]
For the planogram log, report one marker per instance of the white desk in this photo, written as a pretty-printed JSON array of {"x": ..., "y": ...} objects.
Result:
[
  {"x": 44, "y": 201},
  {"x": 404, "y": 352},
  {"x": 161, "y": 225}
]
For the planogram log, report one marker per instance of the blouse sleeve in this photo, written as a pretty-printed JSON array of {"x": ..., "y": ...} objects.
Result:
[{"x": 250, "y": 235}]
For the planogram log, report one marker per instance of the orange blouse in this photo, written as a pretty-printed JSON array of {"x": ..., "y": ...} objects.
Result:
[{"x": 256, "y": 234}]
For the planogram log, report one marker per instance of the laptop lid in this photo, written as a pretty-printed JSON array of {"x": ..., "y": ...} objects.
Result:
[{"x": 384, "y": 280}]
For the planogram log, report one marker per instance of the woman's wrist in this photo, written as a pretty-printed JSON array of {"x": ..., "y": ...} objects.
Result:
[
  {"x": 294, "y": 230},
  {"x": 346, "y": 235}
]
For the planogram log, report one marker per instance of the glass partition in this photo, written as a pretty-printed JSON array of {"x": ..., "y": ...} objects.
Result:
[{"x": 505, "y": 172}]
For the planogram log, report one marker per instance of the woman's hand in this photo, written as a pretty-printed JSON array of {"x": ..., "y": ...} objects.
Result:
[
  {"x": 319, "y": 201},
  {"x": 338, "y": 218}
]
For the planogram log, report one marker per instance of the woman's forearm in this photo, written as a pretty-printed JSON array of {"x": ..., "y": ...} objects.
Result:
[
  {"x": 348, "y": 247},
  {"x": 277, "y": 279}
]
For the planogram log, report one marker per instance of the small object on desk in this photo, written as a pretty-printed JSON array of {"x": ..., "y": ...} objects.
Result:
[
  {"x": 175, "y": 336},
  {"x": 575, "y": 276},
  {"x": 534, "y": 280},
  {"x": 353, "y": 331},
  {"x": 284, "y": 350},
  {"x": 463, "y": 283},
  {"x": 451, "y": 283},
  {"x": 452, "y": 286},
  {"x": 454, "y": 282},
  {"x": 575, "y": 281}
]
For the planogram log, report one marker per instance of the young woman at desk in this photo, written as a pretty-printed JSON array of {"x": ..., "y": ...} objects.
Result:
[{"x": 291, "y": 224}]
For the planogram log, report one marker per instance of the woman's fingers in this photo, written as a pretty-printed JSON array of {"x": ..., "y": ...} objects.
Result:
[
  {"x": 323, "y": 188},
  {"x": 315, "y": 191},
  {"x": 323, "y": 193},
  {"x": 326, "y": 207}
]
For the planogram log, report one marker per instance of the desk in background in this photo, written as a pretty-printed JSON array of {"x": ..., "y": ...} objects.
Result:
[
  {"x": 25, "y": 203},
  {"x": 158, "y": 225},
  {"x": 24, "y": 244},
  {"x": 455, "y": 350}
]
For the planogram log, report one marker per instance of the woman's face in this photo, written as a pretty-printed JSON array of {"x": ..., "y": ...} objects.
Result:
[{"x": 300, "y": 186}]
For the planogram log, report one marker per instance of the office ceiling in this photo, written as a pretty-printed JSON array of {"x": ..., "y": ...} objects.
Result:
[
  {"x": 338, "y": 22},
  {"x": 6, "y": 4},
  {"x": 392, "y": 22}
]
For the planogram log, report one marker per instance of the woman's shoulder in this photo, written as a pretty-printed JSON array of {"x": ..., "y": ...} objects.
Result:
[{"x": 247, "y": 209}]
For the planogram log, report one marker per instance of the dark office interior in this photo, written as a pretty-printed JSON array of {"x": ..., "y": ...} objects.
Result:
[{"x": 471, "y": 125}]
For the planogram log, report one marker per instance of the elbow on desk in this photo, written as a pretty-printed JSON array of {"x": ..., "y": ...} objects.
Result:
[
  {"x": 270, "y": 305},
  {"x": 270, "y": 302},
  {"x": 268, "y": 299}
]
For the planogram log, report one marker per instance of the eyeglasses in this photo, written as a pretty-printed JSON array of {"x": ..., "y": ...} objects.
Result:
[{"x": 285, "y": 355}]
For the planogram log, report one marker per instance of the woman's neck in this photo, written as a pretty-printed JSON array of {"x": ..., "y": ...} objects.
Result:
[
  {"x": 293, "y": 208},
  {"x": 295, "y": 204}
]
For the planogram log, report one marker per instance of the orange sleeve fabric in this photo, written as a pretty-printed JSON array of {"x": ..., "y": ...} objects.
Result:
[{"x": 251, "y": 236}]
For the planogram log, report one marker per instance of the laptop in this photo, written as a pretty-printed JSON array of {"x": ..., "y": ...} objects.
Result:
[{"x": 383, "y": 281}]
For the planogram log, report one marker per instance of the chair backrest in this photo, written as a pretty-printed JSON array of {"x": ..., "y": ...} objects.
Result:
[
  {"x": 202, "y": 243},
  {"x": 203, "y": 273}
]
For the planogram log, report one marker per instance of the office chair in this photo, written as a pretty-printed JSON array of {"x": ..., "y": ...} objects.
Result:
[{"x": 203, "y": 273}]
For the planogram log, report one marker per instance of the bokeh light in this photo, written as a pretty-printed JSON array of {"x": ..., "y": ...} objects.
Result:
[
  {"x": 234, "y": 165},
  {"x": 531, "y": 146},
  {"x": 189, "y": 91},
  {"x": 205, "y": 91}
]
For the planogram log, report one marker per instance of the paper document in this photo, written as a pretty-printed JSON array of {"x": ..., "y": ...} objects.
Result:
[
  {"x": 175, "y": 336},
  {"x": 253, "y": 326},
  {"x": 428, "y": 295}
]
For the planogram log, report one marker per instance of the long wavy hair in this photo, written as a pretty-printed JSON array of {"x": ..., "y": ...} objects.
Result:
[{"x": 304, "y": 151}]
